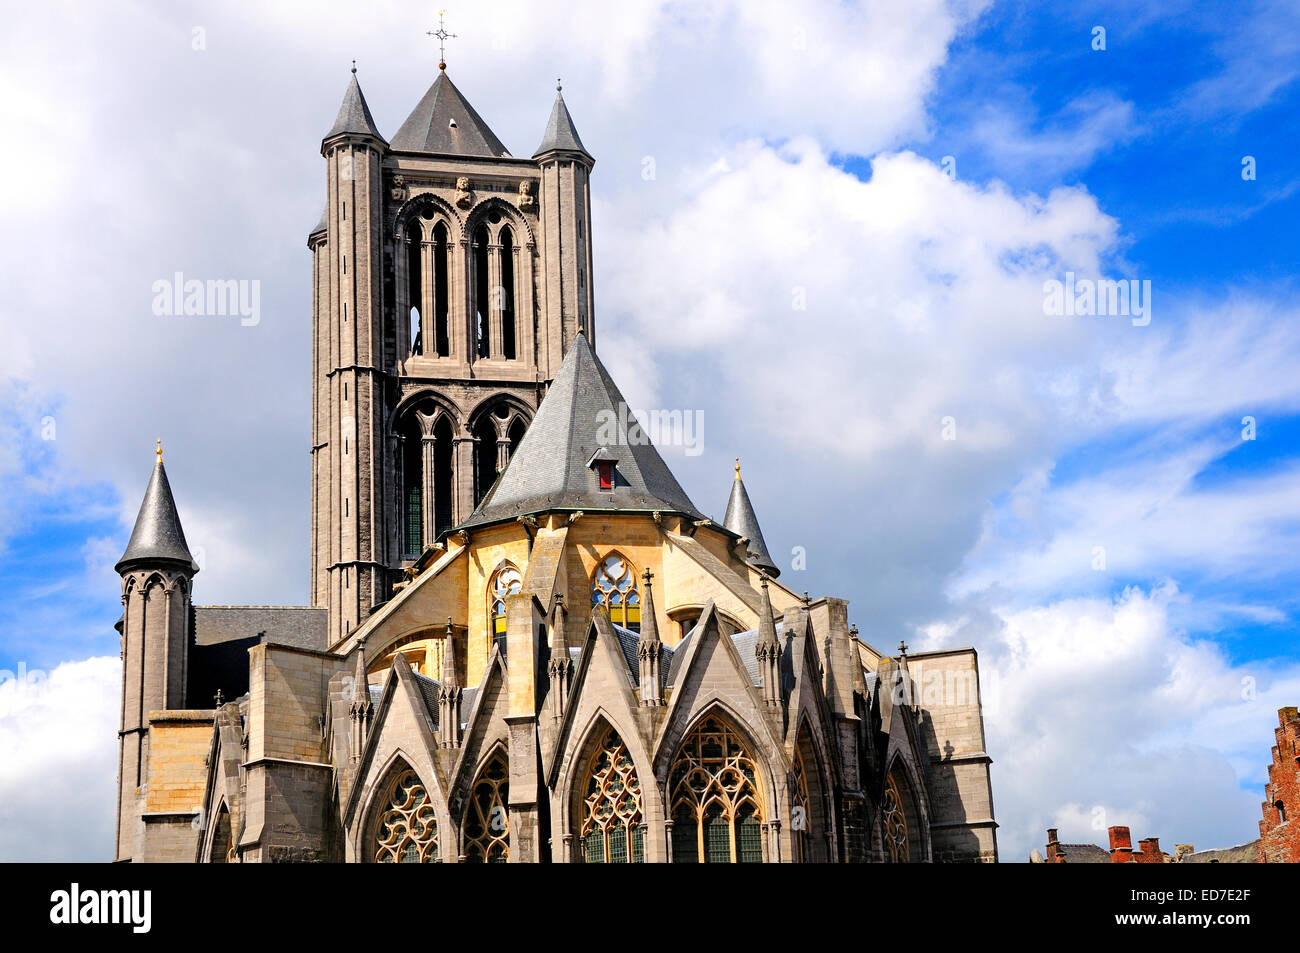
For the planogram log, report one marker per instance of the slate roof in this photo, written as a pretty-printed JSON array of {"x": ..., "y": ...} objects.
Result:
[
  {"x": 354, "y": 115},
  {"x": 430, "y": 691},
  {"x": 746, "y": 642},
  {"x": 304, "y": 627},
  {"x": 323, "y": 223},
  {"x": 1085, "y": 854},
  {"x": 577, "y": 417},
  {"x": 157, "y": 536},
  {"x": 560, "y": 135},
  {"x": 430, "y": 127},
  {"x": 740, "y": 519}
]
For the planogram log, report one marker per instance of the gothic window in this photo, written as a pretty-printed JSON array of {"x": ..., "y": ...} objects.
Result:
[
  {"x": 507, "y": 296},
  {"x": 482, "y": 293},
  {"x": 800, "y": 814},
  {"x": 896, "y": 831},
  {"x": 714, "y": 799},
  {"x": 487, "y": 817},
  {"x": 415, "y": 284},
  {"x": 442, "y": 474},
  {"x": 486, "y": 454},
  {"x": 612, "y": 831},
  {"x": 516, "y": 434},
  {"x": 442, "y": 321},
  {"x": 413, "y": 478},
  {"x": 506, "y": 582},
  {"x": 408, "y": 827},
  {"x": 614, "y": 587},
  {"x": 223, "y": 845}
]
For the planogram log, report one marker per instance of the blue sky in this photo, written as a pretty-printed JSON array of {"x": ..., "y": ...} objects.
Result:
[{"x": 794, "y": 150}]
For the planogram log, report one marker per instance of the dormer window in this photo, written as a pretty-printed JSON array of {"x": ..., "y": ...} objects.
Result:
[{"x": 603, "y": 462}]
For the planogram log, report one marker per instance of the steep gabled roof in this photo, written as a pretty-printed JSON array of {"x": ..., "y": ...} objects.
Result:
[
  {"x": 157, "y": 536},
  {"x": 740, "y": 519},
  {"x": 444, "y": 122},
  {"x": 354, "y": 115},
  {"x": 582, "y": 412},
  {"x": 560, "y": 135}
]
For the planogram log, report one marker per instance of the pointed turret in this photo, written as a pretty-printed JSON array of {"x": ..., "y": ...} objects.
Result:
[
  {"x": 556, "y": 466},
  {"x": 767, "y": 649},
  {"x": 560, "y": 667},
  {"x": 444, "y": 122},
  {"x": 649, "y": 648},
  {"x": 450, "y": 694},
  {"x": 354, "y": 117},
  {"x": 740, "y": 519},
  {"x": 157, "y": 537},
  {"x": 561, "y": 135},
  {"x": 361, "y": 705}
]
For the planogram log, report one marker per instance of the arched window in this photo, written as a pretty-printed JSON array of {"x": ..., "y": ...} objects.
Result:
[
  {"x": 443, "y": 471},
  {"x": 507, "y": 296},
  {"x": 612, "y": 831},
  {"x": 442, "y": 322},
  {"x": 413, "y": 480},
  {"x": 407, "y": 829},
  {"x": 506, "y": 582},
  {"x": 415, "y": 283},
  {"x": 486, "y": 455},
  {"x": 614, "y": 587},
  {"x": 714, "y": 799},
  {"x": 800, "y": 815},
  {"x": 482, "y": 293},
  {"x": 487, "y": 817},
  {"x": 516, "y": 434},
  {"x": 898, "y": 821},
  {"x": 223, "y": 845}
]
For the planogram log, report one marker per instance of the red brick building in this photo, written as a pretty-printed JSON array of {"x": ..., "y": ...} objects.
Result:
[{"x": 1279, "y": 831}]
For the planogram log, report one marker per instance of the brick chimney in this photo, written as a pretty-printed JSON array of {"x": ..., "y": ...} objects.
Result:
[{"x": 1121, "y": 845}]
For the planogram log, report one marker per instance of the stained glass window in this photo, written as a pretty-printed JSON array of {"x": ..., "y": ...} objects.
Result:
[
  {"x": 895, "y": 823},
  {"x": 408, "y": 827},
  {"x": 506, "y": 582},
  {"x": 714, "y": 799},
  {"x": 614, "y": 587},
  {"x": 611, "y": 810},
  {"x": 487, "y": 819}
]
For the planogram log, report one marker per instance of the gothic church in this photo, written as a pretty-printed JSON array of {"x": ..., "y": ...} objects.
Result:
[{"x": 525, "y": 643}]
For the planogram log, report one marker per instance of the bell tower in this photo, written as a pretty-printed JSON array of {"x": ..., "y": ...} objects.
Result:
[{"x": 449, "y": 280}]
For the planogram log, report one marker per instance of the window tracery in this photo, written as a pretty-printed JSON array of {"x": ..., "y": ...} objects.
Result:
[
  {"x": 612, "y": 831},
  {"x": 714, "y": 799},
  {"x": 487, "y": 817},
  {"x": 408, "y": 827},
  {"x": 614, "y": 587}
]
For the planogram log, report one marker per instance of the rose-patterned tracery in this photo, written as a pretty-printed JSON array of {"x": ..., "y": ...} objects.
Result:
[
  {"x": 612, "y": 831},
  {"x": 408, "y": 827},
  {"x": 713, "y": 793},
  {"x": 614, "y": 587}
]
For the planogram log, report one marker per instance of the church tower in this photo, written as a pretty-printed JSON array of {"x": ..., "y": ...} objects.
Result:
[
  {"x": 157, "y": 570},
  {"x": 450, "y": 278}
]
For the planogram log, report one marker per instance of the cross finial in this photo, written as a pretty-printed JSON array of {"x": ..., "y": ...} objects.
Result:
[
  {"x": 902, "y": 648},
  {"x": 443, "y": 36},
  {"x": 159, "y": 450},
  {"x": 647, "y": 576},
  {"x": 218, "y": 699}
]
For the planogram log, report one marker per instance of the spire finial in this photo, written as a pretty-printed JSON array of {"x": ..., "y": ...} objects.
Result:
[
  {"x": 354, "y": 66},
  {"x": 159, "y": 450},
  {"x": 902, "y": 649},
  {"x": 558, "y": 86},
  {"x": 737, "y": 468},
  {"x": 443, "y": 36}
]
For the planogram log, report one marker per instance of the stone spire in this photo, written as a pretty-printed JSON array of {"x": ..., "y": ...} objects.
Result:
[
  {"x": 157, "y": 537},
  {"x": 740, "y": 519},
  {"x": 361, "y": 705},
  {"x": 450, "y": 693},
  {"x": 768, "y": 649},
  {"x": 649, "y": 648},
  {"x": 354, "y": 117},
  {"x": 561, "y": 135},
  {"x": 560, "y": 667}
]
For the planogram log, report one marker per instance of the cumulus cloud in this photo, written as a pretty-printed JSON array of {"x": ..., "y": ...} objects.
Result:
[{"x": 58, "y": 734}]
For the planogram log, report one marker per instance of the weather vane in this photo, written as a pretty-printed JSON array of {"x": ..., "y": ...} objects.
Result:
[{"x": 443, "y": 36}]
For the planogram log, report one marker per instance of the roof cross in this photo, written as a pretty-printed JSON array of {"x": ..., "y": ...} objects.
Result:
[{"x": 443, "y": 36}]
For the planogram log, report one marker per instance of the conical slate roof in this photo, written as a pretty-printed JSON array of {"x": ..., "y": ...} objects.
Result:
[
  {"x": 157, "y": 536},
  {"x": 740, "y": 519},
  {"x": 354, "y": 115},
  {"x": 560, "y": 133},
  {"x": 582, "y": 413},
  {"x": 444, "y": 122}
]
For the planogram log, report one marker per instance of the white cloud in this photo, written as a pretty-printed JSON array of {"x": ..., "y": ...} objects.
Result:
[{"x": 59, "y": 770}]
